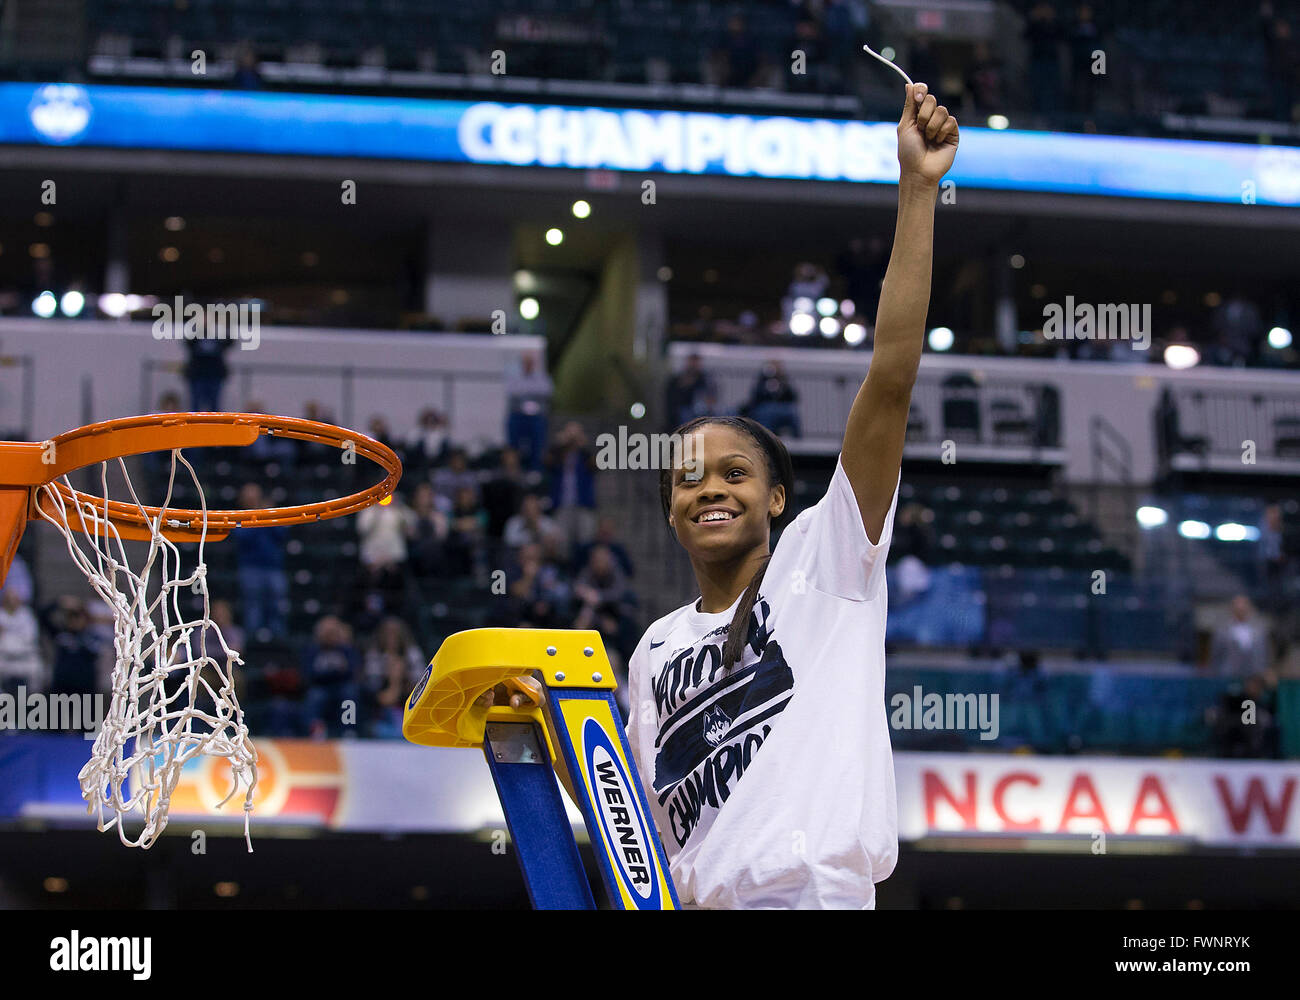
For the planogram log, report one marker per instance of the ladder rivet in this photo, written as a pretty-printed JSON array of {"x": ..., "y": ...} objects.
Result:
[
  {"x": 587, "y": 651},
  {"x": 595, "y": 678},
  {"x": 559, "y": 675},
  {"x": 550, "y": 650}
]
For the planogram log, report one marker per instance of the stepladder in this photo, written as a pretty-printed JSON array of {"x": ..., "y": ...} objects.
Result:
[{"x": 576, "y": 733}]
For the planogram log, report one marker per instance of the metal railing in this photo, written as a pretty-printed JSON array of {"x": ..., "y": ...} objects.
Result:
[
  {"x": 442, "y": 385},
  {"x": 1215, "y": 424}
]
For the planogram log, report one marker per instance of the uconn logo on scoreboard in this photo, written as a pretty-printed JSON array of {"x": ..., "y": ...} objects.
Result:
[{"x": 628, "y": 836}]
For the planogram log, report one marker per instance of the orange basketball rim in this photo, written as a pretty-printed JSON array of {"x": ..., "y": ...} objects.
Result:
[{"x": 26, "y": 466}]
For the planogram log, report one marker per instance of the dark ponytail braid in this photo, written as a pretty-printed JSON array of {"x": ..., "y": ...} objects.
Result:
[{"x": 780, "y": 471}]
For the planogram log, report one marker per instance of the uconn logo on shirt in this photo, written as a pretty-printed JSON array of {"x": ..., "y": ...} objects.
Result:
[
  {"x": 626, "y": 832},
  {"x": 712, "y": 723}
]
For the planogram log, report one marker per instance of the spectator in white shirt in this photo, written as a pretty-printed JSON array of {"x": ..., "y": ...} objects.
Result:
[
  {"x": 20, "y": 650},
  {"x": 531, "y": 526}
]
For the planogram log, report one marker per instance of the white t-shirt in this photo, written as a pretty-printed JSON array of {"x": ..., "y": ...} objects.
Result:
[{"x": 774, "y": 787}]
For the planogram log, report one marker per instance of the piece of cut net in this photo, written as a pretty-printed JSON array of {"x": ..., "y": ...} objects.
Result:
[{"x": 173, "y": 686}]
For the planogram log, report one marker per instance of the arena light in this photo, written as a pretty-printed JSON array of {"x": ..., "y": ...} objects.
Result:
[
  {"x": 829, "y": 326},
  {"x": 941, "y": 339},
  {"x": 1279, "y": 338},
  {"x": 854, "y": 334},
  {"x": 803, "y": 304},
  {"x": 1182, "y": 356},
  {"x": 1194, "y": 529},
  {"x": 1151, "y": 517},
  {"x": 529, "y": 308},
  {"x": 637, "y": 411},
  {"x": 581, "y": 209},
  {"x": 555, "y": 237},
  {"x": 72, "y": 303},
  {"x": 826, "y": 306},
  {"x": 848, "y": 308},
  {"x": 113, "y": 304},
  {"x": 999, "y": 122},
  {"x": 802, "y": 323},
  {"x": 45, "y": 304},
  {"x": 1231, "y": 531}
]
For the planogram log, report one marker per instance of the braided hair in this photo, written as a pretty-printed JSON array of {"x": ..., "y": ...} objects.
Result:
[{"x": 780, "y": 471}]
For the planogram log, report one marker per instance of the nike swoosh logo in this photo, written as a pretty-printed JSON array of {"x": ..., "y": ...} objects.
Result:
[{"x": 655, "y": 644}]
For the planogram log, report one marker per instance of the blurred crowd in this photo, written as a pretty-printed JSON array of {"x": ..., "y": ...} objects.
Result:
[
  {"x": 838, "y": 301},
  {"x": 516, "y": 531}
]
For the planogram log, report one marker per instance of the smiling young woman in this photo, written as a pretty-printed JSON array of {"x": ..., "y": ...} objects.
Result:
[{"x": 757, "y": 712}]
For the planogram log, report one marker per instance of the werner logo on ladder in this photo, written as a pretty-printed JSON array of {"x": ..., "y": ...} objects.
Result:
[{"x": 574, "y": 734}]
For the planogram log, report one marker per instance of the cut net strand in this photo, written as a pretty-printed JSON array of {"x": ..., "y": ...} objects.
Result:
[{"x": 171, "y": 699}]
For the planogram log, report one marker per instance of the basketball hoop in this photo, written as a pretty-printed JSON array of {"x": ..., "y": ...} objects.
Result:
[{"x": 166, "y": 670}]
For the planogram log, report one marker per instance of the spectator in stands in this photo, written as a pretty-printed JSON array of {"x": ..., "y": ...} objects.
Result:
[
  {"x": 861, "y": 267},
  {"x": 774, "y": 402},
  {"x": 810, "y": 40},
  {"x": 223, "y": 617},
  {"x": 393, "y": 664},
  {"x": 455, "y": 476},
  {"x": 383, "y": 530},
  {"x": 1245, "y": 721},
  {"x": 1043, "y": 36},
  {"x": 21, "y": 663},
  {"x": 263, "y": 584},
  {"x": 77, "y": 647},
  {"x": 503, "y": 494},
  {"x": 247, "y": 75},
  {"x": 1085, "y": 38},
  {"x": 809, "y": 282},
  {"x": 317, "y": 450},
  {"x": 540, "y": 597},
  {"x": 571, "y": 467},
  {"x": 332, "y": 668},
  {"x": 464, "y": 546},
  {"x": 528, "y": 395},
  {"x": 19, "y": 580},
  {"x": 383, "y": 433},
  {"x": 1282, "y": 55},
  {"x": 1240, "y": 647},
  {"x": 267, "y": 447},
  {"x": 426, "y": 448},
  {"x": 736, "y": 57},
  {"x": 691, "y": 393},
  {"x": 1239, "y": 329},
  {"x": 532, "y": 527},
  {"x": 985, "y": 82},
  {"x": 1273, "y": 559},
  {"x": 914, "y": 533},
  {"x": 606, "y": 535},
  {"x": 603, "y": 599},
  {"x": 845, "y": 23},
  {"x": 206, "y": 372},
  {"x": 429, "y": 528}
]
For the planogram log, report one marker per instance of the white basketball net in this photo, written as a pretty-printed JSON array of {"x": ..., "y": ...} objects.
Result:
[{"x": 173, "y": 687}]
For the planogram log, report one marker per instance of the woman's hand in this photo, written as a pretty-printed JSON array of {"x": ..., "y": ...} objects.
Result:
[
  {"x": 518, "y": 692},
  {"x": 927, "y": 137}
]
